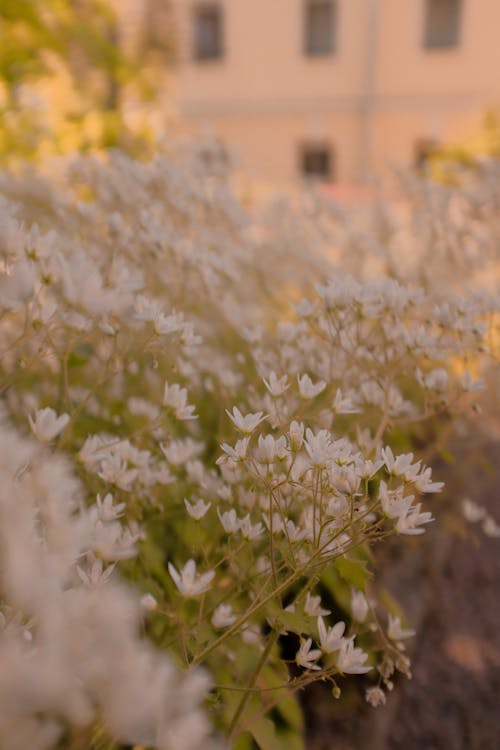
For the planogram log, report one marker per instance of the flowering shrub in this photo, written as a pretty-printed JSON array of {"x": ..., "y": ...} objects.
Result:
[{"x": 224, "y": 417}]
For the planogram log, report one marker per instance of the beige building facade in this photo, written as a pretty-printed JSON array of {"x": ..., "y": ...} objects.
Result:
[{"x": 338, "y": 89}]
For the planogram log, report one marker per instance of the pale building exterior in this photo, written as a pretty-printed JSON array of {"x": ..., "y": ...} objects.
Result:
[{"x": 340, "y": 89}]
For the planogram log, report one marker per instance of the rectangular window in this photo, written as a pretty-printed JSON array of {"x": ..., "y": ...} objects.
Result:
[
  {"x": 208, "y": 32},
  {"x": 316, "y": 162},
  {"x": 319, "y": 27},
  {"x": 442, "y": 23}
]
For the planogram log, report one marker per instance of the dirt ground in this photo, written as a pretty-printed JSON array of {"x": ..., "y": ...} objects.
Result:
[{"x": 449, "y": 586}]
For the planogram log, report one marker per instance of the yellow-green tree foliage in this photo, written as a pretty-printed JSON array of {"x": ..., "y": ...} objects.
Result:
[{"x": 70, "y": 48}]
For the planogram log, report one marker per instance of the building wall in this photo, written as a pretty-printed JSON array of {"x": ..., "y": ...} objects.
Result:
[{"x": 373, "y": 99}]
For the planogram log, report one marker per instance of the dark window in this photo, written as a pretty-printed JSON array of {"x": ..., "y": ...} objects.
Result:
[
  {"x": 425, "y": 149},
  {"x": 319, "y": 27},
  {"x": 442, "y": 23},
  {"x": 317, "y": 163},
  {"x": 208, "y": 32}
]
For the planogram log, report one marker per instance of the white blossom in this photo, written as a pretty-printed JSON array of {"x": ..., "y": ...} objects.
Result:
[
  {"x": 375, "y": 696},
  {"x": 359, "y": 605},
  {"x": 308, "y": 389},
  {"x": 188, "y": 581},
  {"x": 46, "y": 425},
  {"x": 198, "y": 509},
  {"x": 351, "y": 660},
  {"x": 395, "y": 631},
  {"x": 247, "y": 423},
  {"x": 223, "y": 616},
  {"x": 305, "y": 657},
  {"x": 275, "y": 385},
  {"x": 312, "y": 606},
  {"x": 176, "y": 398},
  {"x": 330, "y": 638}
]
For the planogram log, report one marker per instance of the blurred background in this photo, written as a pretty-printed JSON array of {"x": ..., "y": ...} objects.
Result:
[{"x": 337, "y": 91}]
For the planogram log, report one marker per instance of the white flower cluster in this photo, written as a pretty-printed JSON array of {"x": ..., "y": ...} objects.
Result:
[
  {"x": 243, "y": 407},
  {"x": 69, "y": 640}
]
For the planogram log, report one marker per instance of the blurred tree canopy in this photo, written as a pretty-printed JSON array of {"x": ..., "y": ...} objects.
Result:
[
  {"x": 449, "y": 162},
  {"x": 62, "y": 74}
]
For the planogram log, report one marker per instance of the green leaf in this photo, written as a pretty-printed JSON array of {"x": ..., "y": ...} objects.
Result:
[
  {"x": 244, "y": 742},
  {"x": 353, "y": 572},
  {"x": 264, "y": 733}
]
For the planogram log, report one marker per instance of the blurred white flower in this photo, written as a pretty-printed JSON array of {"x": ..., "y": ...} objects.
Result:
[
  {"x": 296, "y": 433},
  {"x": 307, "y": 389},
  {"x": 223, "y": 616},
  {"x": 148, "y": 603},
  {"x": 275, "y": 385},
  {"x": 375, "y": 696},
  {"x": 198, "y": 509},
  {"x": 472, "y": 512},
  {"x": 395, "y": 631},
  {"x": 491, "y": 527},
  {"x": 46, "y": 425},
  {"x": 176, "y": 398},
  {"x": 247, "y": 423},
  {"x": 359, "y": 605},
  {"x": 312, "y": 606},
  {"x": 188, "y": 581}
]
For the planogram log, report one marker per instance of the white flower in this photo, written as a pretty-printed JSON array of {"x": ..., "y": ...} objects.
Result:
[
  {"x": 359, "y": 605},
  {"x": 343, "y": 405},
  {"x": 375, "y": 696},
  {"x": 249, "y": 530},
  {"x": 394, "y": 503},
  {"x": 148, "y": 603},
  {"x": 409, "y": 523},
  {"x": 113, "y": 469},
  {"x": 470, "y": 385},
  {"x": 312, "y": 606},
  {"x": 223, "y": 616},
  {"x": 472, "y": 512},
  {"x": 269, "y": 449},
  {"x": 351, "y": 660},
  {"x": 95, "y": 573},
  {"x": 229, "y": 521},
  {"x": 238, "y": 453},
  {"x": 491, "y": 528},
  {"x": 188, "y": 581},
  {"x": 176, "y": 398},
  {"x": 106, "y": 510},
  {"x": 369, "y": 468},
  {"x": 166, "y": 324},
  {"x": 307, "y": 389},
  {"x": 319, "y": 448},
  {"x": 93, "y": 450},
  {"x": 395, "y": 631},
  {"x": 247, "y": 423},
  {"x": 307, "y": 658},
  {"x": 179, "y": 452},
  {"x": 198, "y": 509},
  {"x": 296, "y": 433},
  {"x": 46, "y": 425},
  {"x": 330, "y": 638},
  {"x": 436, "y": 380},
  {"x": 276, "y": 386},
  {"x": 423, "y": 482},
  {"x": 401, "y": 464}
]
